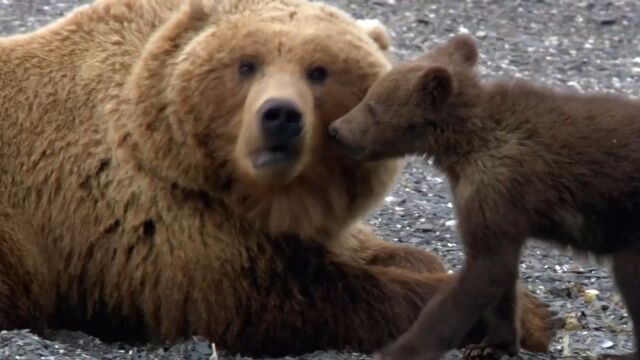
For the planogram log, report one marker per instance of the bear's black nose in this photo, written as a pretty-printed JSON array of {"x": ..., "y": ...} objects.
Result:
[{"x": 281, "y": 121}]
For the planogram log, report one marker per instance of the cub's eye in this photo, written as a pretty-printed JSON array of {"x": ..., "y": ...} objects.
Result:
[
  {"x": 318, "y": 74},
  {"x": 247, "y": 69}
]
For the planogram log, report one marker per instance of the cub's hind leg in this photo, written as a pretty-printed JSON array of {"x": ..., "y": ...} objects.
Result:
[
  {"x": 24, "y": 293},
  {"x": 626, "y": 271}
]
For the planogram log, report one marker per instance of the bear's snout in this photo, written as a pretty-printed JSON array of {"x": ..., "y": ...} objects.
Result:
[
  {"x": 281, "y": 123},
  {"x": 278, "y": 127}
]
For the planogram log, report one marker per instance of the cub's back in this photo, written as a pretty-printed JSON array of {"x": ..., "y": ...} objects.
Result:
[{"x": 576, "y": 163}]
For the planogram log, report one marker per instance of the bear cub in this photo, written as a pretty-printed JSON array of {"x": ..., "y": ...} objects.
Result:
[{"x": 522, "y": 161}]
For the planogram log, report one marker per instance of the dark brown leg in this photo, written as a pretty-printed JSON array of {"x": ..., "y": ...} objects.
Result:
[
  {"x": 626, "y": 270},
  {"x": 489, "y": 271},
  {"x": 503, "y": 334},
  {"x": 536, "y": 321}
]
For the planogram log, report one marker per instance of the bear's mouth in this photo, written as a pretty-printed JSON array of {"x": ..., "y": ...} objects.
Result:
[{"x": 276, "y": 156}]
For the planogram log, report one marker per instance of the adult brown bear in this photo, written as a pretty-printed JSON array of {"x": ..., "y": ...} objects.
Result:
[{"x": 166, "y": 172}]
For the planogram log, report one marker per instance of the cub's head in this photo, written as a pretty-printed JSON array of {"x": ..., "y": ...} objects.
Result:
[
  {"x": 235, "y": 99},
  {"x": 414, "y": 105}
]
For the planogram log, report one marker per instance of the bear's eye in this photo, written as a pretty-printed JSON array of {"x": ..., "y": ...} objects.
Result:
[
  {"x": 247, "y": 69},
  {"x": 318, "y": 74}
]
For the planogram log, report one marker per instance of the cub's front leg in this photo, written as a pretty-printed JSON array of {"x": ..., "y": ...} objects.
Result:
[
  {"x": 537, "y": 324},
  {"x": 493, "y": 235}
]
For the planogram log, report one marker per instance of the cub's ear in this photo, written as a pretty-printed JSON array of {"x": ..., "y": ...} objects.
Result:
[
  {"x": 464, "y": 49},
  {"x": 435, "y": 87},
  {"x": 377, "y": 32}
]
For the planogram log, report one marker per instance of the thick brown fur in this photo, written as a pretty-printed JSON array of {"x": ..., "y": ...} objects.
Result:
[
  {"x": 130, "y": 199},
  {"x": 522, "y": 161}
]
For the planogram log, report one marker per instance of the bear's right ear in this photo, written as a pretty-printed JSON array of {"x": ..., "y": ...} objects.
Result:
[
  {"x": 435, "y": 87},
  {"x": 377, "y": 32},
  {"x": 464, "y": 49}
]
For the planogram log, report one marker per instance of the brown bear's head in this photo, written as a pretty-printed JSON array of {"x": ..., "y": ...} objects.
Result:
[
  {"x": 416, "y": 106},
  {"x": 235, "y": 98}
]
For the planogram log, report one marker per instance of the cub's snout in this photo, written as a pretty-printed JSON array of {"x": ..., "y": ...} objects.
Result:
[{"x": 340, "y": 136}]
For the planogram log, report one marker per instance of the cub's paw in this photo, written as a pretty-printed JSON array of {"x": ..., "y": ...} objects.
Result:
[{"x": 486, "y": 352}]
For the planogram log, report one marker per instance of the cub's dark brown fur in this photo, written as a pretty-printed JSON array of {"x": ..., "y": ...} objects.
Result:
[{"x": 523, "y": 161}]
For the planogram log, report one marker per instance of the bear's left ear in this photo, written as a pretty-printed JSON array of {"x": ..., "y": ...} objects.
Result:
[
  {"x": 435, "y": 87},
  {"x": 376, "y": 31}
]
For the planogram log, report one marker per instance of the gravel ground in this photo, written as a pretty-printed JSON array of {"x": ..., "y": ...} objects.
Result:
[{"x": 583, "y": 44}]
